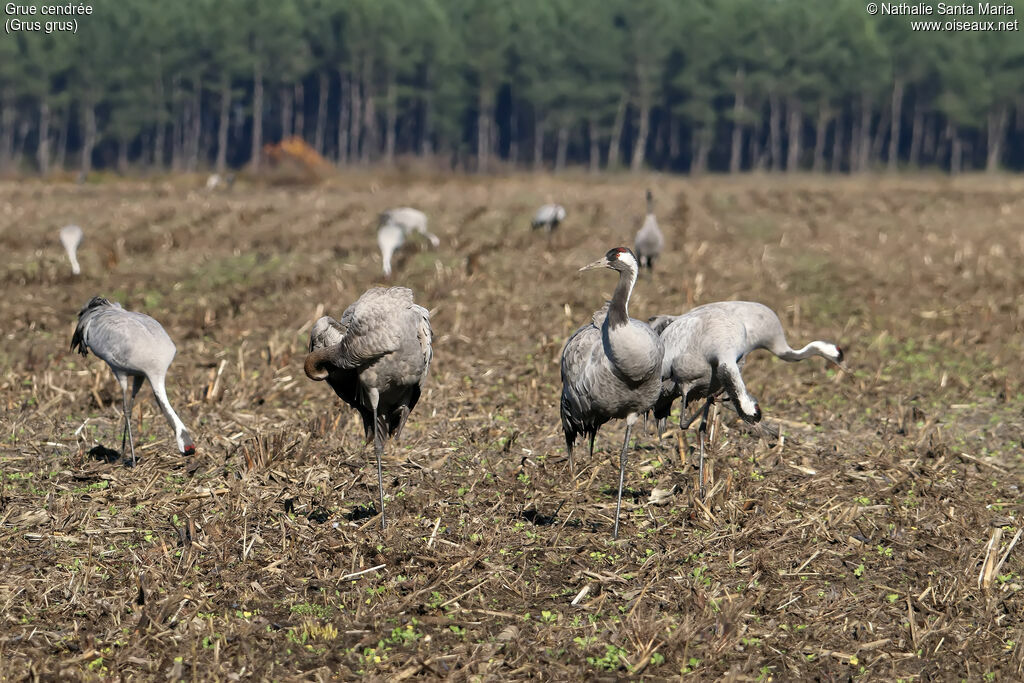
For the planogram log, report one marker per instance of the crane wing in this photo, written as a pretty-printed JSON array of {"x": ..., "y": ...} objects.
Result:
[{"x": 374, "y": 327}]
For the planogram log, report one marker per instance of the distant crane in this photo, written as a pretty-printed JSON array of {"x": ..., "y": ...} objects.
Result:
[
  {"x": 705, "y": 349},
  {"x": 376, "y": 359},
  {"x": 71, "y": 238},
  {"x": 393, "y": 228},
  {"x": 135, "y": 346},
  {"x": 548, "y": 217},
  {"x": 610, "y": 367},
  {"x": 649, "y": 240}
]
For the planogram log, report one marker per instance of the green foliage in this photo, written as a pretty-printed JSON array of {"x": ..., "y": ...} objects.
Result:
[{"x": 452, "y": 75}]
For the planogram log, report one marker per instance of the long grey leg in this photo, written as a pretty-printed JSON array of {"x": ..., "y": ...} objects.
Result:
[
  {"x": 703, "y": 430},
  {"x": 630, "y": 421},
  {"x": 378, "y": 448}
]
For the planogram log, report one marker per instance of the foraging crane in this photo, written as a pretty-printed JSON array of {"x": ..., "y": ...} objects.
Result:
[
  {"x": 705, "y": 349},
  {"x": 548, "y": 217},
  {"x": 71, "y": 238},
  {"x": 611, "y": 368},
  {"x": 394, "y": 226},
  {"x": 135, "y": 346},
  {"x": 649, "y": 240},
  {"x": 376, "y": 359}
]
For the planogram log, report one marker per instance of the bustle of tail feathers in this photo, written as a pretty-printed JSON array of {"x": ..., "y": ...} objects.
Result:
[{"x": 77, "y": 339}]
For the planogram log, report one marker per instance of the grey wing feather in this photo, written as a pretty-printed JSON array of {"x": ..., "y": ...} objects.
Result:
[
  {"x": 373, "y": 327},
  {"x": 326, "y": 332}
]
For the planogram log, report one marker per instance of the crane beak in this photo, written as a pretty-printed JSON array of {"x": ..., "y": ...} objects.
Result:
[{"x": 600, "y": 263}]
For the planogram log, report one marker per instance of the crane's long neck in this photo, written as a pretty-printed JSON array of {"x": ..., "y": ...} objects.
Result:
[
  {"x": 618, "y": 309},
  {"x": 650, "y": 204},
  {"x": 826, "y": 350}
]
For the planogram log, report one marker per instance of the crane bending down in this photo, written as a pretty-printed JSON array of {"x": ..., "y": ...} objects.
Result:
[
  {"x": 649, "y": 240},
  {"x": 71, "y": 238},
  {"x": 548, "y": 217},
  {"x": 135, "y": 346},
  {"x": 393, "y": 228},
  {"x": 376, "y": 359},
  {"x": 610, "y": 367},
  {"x": 705, "y": 350}
]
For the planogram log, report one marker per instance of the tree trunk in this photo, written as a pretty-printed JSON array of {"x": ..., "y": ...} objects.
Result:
[
  {"x": 878, "y": 140},
  {"x": 738, "y": 111},
  {"x": 594, "y": 157},
  {"x": 43, "y": 145},
  {"x": 426, "y": 133},
  {"x": 225, "y": 121},
  {"x": 369, "y": 141},
  {"x": 61, "y": 152},
  {"x": 196, "y": 128},
  {"x": 956, "y": 150},
  {"x": 896, "y": 112},
  {"x": 702, "y": 141},
  {"x": 643, "y": 130},
  {"x": 538, "y": 143},
  {"x": 864, "y": 147},
  {"x": 344, "y": 86},
  {"x": 837, "y": 144},
  {"x": 356, "y": 108},
  {"x": 299, "y": 108},
  {"x": 916, "y": 130},
  {"x": 615, "y": 144},
  {"x": 820, "y": 133},
  {"x": 675, "y": 147},
  {"x": 122, "y": 155},
  {"x": 996, "y": 135},
  {"x": 930, "y": 144},
  {"x": 8, "y": 121},
  {"x": 284, "y": 95},
  {"x": 513, "y": 134},
  {"x": 483, "y": 132},
  {"x": 563, "y": 148},
  {"x": 758, "y": 147},
  {"x": 391, "y": 118},
  {"x": 793, "y": 131},
  {"x": 320, "y": 134},
  {"x": 88, "y": 135},
  {"x": 775, "y": 131},
  {"x": 257, "y": 116},
  {"x": 160, "y": 132}
]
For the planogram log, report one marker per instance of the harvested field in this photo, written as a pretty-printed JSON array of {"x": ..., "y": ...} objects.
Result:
[{"x": 872, "y": 538}]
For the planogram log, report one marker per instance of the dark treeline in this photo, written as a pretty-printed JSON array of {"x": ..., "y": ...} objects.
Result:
[{"x": 677, "y": 85}]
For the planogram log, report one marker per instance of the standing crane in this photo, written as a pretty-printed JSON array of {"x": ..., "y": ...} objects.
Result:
[
  {"x": 376, "y": 359},
  {"x": 393, "y": 228},
  {"x": 611, "y": 367},
  {"x": 135, "y": 346},
  {"x": 548, "y": 217},
  {"x": 649, "y": 240},
  {"x": 71, "y": 238},
  {"x": 705, "y": 350}
]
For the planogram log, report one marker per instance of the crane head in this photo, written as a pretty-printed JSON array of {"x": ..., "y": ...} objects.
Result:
[{"x": 619, "y": 258}]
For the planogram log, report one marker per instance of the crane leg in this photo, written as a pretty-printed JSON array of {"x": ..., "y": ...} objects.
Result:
[
  {"x": 622, "y": 471},
  {"x": 703, "y": 430},
  {"x": 127, "y": 408},
  {"x": 378, "y": 449}
]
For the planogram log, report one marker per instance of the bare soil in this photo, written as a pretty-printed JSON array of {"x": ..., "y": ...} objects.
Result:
[{"x": 872, "y": 538}]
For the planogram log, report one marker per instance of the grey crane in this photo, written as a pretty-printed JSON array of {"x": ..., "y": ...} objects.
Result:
[
  {"x": 71, "y": 238},
  {"x": 393, "y": 228},
  {"x": 649, "y": 240},
  {"x": 548, "y": 217},
  {"x": 376, "y": 359},
  {"x": 610, "y": 367},
  {"x": 135, "y": 346},
  {"x": 705, "y": 350}
]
